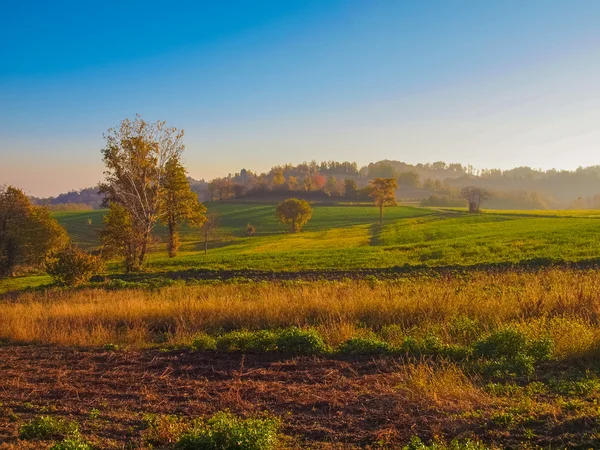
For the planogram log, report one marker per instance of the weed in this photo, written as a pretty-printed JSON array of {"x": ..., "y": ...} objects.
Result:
[
  {"x": 224, "y": 431},
  {"x": 47, "y": 427},
  {"x": 365, "y": 346}
]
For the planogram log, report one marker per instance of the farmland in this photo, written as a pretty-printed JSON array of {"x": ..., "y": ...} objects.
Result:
[
  {"x": 347, "y": 238},
  {"x": 438, "y": 326}
]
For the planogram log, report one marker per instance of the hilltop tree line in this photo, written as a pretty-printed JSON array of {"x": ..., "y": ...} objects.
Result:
[{"x": 434, "y": 184}]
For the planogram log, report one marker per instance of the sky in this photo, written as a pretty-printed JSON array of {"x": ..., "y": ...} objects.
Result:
[{"x": 491, "y": 83}]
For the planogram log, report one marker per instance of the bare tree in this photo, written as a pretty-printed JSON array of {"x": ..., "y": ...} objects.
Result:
[
  {"x": 474, "y": 195},
  {"x": 209, "y": 226}
]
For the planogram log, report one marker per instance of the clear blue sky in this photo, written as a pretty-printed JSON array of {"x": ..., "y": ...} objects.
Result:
[{"x": 258, "y": 83}]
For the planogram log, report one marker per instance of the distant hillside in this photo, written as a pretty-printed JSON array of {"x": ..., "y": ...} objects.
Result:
[{"x": 432, "y": 184}]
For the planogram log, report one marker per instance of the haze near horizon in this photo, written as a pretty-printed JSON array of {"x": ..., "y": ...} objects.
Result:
[{"x": 255, "y": 84}]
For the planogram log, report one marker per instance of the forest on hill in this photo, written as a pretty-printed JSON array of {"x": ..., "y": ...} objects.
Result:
[{"x": 431, "y": 184}]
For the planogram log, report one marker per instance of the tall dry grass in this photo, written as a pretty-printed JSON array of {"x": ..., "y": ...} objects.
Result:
[{"x": 564, "y": 304}]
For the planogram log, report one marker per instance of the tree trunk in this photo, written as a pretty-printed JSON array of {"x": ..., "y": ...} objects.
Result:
[
  {"x": 381, "y": 215},
  {"x": 205, "y": 243},
  {"x": 173, "y": 244}
]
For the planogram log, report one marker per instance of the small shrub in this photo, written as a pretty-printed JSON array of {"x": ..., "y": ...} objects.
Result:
[
  {"x": 47, "y": 427},
  {"x": 247, "y": 341},
  {"x": 417, "y": 444},
  {"x": 224, "y": 431},
  {"x": 508, "y": 352},
  {"x": 203, "y": 342},
  {"x": 506, "y": 343},
  {"x": 72, "y": 443},
  {"x": 302, "y": 342},
  {"x": 164, "y": 430},
  {"x": 464, "y": 329},
  {"x": 365, "y": 346},
  {"x": 250, "y": 229},
  {"x": 73, "y": 266}
]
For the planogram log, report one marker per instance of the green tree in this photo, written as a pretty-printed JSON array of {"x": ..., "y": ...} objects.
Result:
[
  {"x": 135, "y": 156},
  {"x": 350, "y": 188},
  {"x": 119, "y": 237},
  {"x": 294, "y": 212},
  {"x": 178, "y": 204},
  {"x": 383, "y": 194},
  {"x": 331, "y": 185},
  {"x": 28, "y": 233},
  {"x": 408, "y": 179}
]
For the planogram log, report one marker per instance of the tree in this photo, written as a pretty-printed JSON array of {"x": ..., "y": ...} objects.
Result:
[
  {"x": 28, "y": 233},
  {"x": 119, "y": 237},
  {"x": 383, "y": 194},
  {"x": 135, "y": 156},
  {"x": 474, "y": 195},
  {"x": 292, "y": 183},
  {"x": 331, "y": 185},
  {"x": 209, "y": 226},
  {"x": 350, "y": 188},
  {"x": 408, "y": 179},
  {"x": 294, "y": 212},
  {"x": 179, "y": 203},
  {"x": 278, "y": 179}
]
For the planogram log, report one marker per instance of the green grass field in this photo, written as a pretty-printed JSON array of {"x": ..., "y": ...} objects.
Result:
[{"x": 349, "y": 237}]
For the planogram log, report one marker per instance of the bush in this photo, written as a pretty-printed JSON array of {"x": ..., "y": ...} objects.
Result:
[
  {"x": 417, "y": 444},
  {"x": 46, "y": 427},
  {"x": 365, "y": 346},
  {"x": 247, "y": 341},
  {"x": 508, "y": 352},
  {"x": 73, "y": 266},
  {"x": 203, "y": 341},
  {"x": 72, "y": 443},
  {"x": 224, "y": 431},
  {"x": 250, "y": 229},
  {"x": 304, "y": 342}
]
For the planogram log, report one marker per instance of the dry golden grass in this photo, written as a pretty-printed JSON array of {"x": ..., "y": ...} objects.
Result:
[{"x": 564, "y": 304}]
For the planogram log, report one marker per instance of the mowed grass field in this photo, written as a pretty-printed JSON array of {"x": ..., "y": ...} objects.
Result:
[{"x": 349, "y": 237}]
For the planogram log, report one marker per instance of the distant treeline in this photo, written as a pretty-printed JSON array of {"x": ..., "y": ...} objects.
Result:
[{"x": 432, "y": 184}]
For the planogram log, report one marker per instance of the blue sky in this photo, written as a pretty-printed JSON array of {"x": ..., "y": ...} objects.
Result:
[{"x": 259, "y": 83}]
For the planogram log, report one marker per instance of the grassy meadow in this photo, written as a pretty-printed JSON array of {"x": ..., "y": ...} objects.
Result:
[{"x": 349, "y": 237}]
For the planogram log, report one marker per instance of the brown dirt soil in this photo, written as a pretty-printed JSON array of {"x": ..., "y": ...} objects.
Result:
[{"x": 329, "y": 403}]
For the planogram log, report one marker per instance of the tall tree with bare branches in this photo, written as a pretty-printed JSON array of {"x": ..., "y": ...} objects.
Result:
[{"x": 136, "y": 156}]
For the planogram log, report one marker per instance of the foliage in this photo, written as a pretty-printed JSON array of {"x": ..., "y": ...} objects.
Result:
[
  {"x": 365, "y": 346},
  {"x": 224, "y": 431},
  {"x": 137, "y": 156},
  {"x": 294, "y": 212},
  {"x": 28, "y": 233},
  {"x": 179, "y": 204},
  {"x": 119, "y": 237},
  {"x": 383, "y": 193},
  {"x": 75, "y": 442},
  {"x": 305, "y": 342},
  {"x": 508, "y": 351},
  {"x": 250, "y": 229},
  {"x": 247, "y": 341},
  {"x": 47, "y": 427},
  {"x": 73, "y": 266},
  {"x": 350, "y": 188},
  {"x": 467, "y": 444}
]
